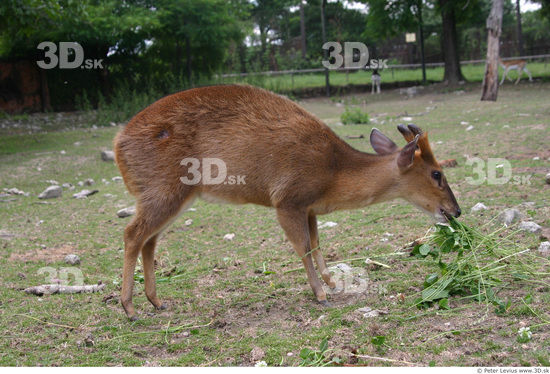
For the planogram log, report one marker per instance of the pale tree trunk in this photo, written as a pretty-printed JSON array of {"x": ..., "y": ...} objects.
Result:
[{"x": 489, "y": 89}]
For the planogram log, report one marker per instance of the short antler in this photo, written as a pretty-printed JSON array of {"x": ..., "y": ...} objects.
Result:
[{"x": 410, "y": 131}]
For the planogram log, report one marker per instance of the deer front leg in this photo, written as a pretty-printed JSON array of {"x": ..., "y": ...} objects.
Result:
[
  {"x": 318, "y": 255},
  {"x": 295, "y": 224},
  {"x": 504, "y": 72},
  {"x": 520, "y": 72}
]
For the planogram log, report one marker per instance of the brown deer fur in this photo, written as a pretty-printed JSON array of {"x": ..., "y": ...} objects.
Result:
[{"x": 290, "y": 160}]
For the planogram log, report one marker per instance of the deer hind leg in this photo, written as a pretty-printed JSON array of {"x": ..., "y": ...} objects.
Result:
[
  {"x": 295, "y": 225},
  {"x": 318, "y": 255},
  {"x": 148, "y": 255},
  {"x": 529, "y": 73},
  {"x": 152, "y": 217}
]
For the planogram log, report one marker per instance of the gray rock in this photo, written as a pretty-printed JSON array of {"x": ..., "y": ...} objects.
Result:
[
  {"x": 51, "y": 192},
  {"x": 478, "y": 207},
  {"x": 68, "y": 185},
  {"x": 531, "y": 227},
  {"x": 544, "y": 247},
  {"x": 510, "y": 216},
  {"x": 229, "y": 237},
  {"x": 526, "y": 205},
  {"x": 342, "y": 267},
  {"x": 368, "y": 312},
  {"x": 72, "y": 259},
  {"x": 117, "y": 179},
  {"x": 548, "y": 177},
  {"x": 89, "y": 182},
  {"x": 84, "y": 194},
  {"x": 126, "y": 212},
  {"x": 327, "y": 224},
  {"x": 107, "y": 155}
]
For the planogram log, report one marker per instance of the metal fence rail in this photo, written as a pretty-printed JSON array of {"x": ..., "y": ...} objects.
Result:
[{"x": 390, "y": 67}]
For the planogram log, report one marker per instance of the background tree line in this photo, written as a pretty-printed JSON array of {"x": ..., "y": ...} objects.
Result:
[{"x": 169, "y": 44}]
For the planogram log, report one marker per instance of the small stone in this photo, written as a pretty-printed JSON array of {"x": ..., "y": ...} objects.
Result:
[
  {"x": 126, "y": 212},
  {"x": 464, "y": 123},
  {"x": 77, "y": 144},
  {"x": 509, "y": 216},
  {"x": 257, "y": 354},
  {"x": 62, "y": 152},
  {"x": 536, "y": 158},
  {"x": 52, "y": 182},
  {"x": 530, "y": 227},
  {"x": 84, "y": 194},
  {"x": 345, "y": 268},
  {"x": 328, "y": 224},
  {"x": 51, "y": 192},
  {"x": 478, "y": 207},
  {"x": 89, "y": 182},
  {"x": 68, "y": 185},
  {"x": 80, "y": 183},
  {"x": 470, "y": 128},
  {"x": 72, "y": 259},
  {"x": 107, "y": 155},
  {"x": 368, "y": 312},
  {"x": 548, "y": 178},
  {"x": 117, "y": 179},
  {"x": 189, "y": 222},
  {"x": 229, "y": 237},
  {"x": 544, "y": 247}
]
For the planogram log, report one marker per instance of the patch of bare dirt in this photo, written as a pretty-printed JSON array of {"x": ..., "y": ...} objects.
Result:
[{"x": 47, "y": 255}]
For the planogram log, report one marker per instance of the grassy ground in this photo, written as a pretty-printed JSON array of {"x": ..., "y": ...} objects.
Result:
[{"x": 238, "y": 302}]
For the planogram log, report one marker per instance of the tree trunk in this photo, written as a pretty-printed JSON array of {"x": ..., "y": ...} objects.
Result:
[
  {"x": 302, "y": 30},
  {"x": 489, "y": 89},
  {"x": 421, "y": 35},
  {"x": 325, "y": 52},
  {"x": 520, "y": 33},
  {"x": 453, "y": 74}
]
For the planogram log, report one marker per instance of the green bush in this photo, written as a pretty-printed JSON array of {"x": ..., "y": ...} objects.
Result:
[{"x": 355, "y": 116}]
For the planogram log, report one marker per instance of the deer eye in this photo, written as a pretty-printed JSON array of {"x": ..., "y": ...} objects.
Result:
[{"x": 437, "y": 176}]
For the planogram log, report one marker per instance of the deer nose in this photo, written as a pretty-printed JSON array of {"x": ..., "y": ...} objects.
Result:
[{"x": 458, "y": 212}]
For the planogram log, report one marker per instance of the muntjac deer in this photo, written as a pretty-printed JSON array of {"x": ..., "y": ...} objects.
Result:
[
  {"x": 519, "y": 65},
  {"x": 288, "y": 159}
]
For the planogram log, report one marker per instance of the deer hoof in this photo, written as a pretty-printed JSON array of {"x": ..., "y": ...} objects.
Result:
[
  {"x": 134, "y": 318},
  {"x": 325, "y": 303},
  {"x": 162, "y": 307}
]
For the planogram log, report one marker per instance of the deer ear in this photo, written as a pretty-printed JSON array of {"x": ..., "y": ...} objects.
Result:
[
  {"x": 406, "y": 156},
  {"x": 381, "y": 143}
]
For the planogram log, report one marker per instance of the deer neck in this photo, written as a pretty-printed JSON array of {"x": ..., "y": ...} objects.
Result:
[{"x": 364, "y": 179}]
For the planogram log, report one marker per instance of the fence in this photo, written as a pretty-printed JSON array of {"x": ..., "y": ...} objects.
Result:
[{"x": 391, "y": 68}]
